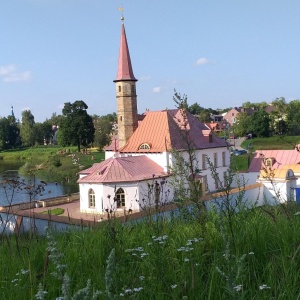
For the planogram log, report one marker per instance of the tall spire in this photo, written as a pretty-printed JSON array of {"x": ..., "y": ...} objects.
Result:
[
  {"x": 124, "y": 66},
  {"x": 125, "y": 93}
]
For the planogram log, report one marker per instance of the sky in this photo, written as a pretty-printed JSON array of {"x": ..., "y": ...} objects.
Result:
[{"x": 219, "y": 54}]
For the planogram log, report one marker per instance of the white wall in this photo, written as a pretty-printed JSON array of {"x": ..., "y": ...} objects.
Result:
[
  {"x": 84, "y": 197},
  {"x": 200, "y": 161},
  {"x": 134, "y": 192}
]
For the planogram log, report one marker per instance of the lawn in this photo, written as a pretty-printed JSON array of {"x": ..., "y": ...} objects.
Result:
[
  {"x": 53, "y": 163},
  {"x": 251, "y": 255}
]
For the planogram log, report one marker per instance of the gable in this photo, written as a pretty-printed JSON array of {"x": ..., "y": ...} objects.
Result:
[
  {"x": 168, "y": 130},
  {"x": 280, "y": 159}
]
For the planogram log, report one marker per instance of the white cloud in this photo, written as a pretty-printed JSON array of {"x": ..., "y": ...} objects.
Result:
[
  {"x": 156, "y": 89},
  {"x": 4, "y": 70},
  {"x": 11, "y": 74},
  {"x": 202, "y": 61}
]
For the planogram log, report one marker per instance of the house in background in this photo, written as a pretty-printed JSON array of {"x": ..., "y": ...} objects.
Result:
[
  {"x": 278, "y": 171},
  {"x": 137, "y": 170},
  {"x": 231, "y": 116}
]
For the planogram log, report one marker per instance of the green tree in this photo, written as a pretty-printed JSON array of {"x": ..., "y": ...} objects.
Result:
[
  {"x": 242, "y": 124},
  {"x": 103, "y": 129},
  {"x": 293, "y": 117},
  {"x": 76, "y": 126},
  {"x": 55, "y": 119},
  {"x": 280, "y": 105},
  {"x": 42, "y": 132},
  {"x": 260, "y": 123},
  {"x": 26, "y": 130}
]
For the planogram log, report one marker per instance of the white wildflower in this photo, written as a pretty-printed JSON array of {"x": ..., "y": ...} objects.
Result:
[
  {"x": 128, "y": 291},
  {"x": 174, "y": 286},
  {"x": 238, "y": 288},
  {"x": 263, "y": 287},
  {"x": 251, "y": 253}
]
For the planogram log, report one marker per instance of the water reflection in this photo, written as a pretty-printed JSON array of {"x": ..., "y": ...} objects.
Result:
[{"x": 25, "y": 188}]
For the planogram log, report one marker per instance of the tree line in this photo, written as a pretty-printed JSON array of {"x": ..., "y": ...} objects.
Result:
[
  {"x": 282, "y": 119},
  {"x": 74, "y": 127}
]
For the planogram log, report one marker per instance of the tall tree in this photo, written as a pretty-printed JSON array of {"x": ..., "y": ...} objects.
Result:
[
  {"x": 43, "y": 132},
  {"x": 293, "y": 117},
  {"x": 76, "y": 126},
  {"x": 103, "y": 129},
  {"x": 242, "y": 124},
  {"x": 26, "y": 130},
  {"x": 260, "y": 123}
]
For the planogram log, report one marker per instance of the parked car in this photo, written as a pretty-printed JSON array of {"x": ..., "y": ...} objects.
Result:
[{"x": 240, "y": 152}]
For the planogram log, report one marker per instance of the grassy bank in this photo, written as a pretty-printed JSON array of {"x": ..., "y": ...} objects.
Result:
[
  {"x": 254, "y": 255},
  {"x": 272, "y": 143},
  {"x": 53, "y": 163}
]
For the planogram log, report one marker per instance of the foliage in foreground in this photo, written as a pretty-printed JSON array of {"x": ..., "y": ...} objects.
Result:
[{"x": 173, "y": 258}]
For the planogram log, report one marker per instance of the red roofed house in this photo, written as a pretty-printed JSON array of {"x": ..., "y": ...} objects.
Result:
[
  {"x": 278, "y": 171},
  {"x": 139, "y": 161}
]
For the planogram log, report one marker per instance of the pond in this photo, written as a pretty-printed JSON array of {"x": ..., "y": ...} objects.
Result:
[{"x": 26, "y": 188}]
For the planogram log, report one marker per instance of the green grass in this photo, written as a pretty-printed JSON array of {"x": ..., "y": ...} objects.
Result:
[
  {"x": 168, "y": 259},
  {"x": 55, "y": 211},
  {"x": 272, "y": 143},
  {"x": 52, "y": 163}
]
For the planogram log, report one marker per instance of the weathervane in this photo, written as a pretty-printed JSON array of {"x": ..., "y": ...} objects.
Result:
[{"x": 121, "y": 9}]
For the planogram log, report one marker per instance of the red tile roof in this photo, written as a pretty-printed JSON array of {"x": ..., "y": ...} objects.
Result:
[
  {"x": 168, "y": 130},
  {"x": 122, "y": 169},
  {"x": 280, "y": 158}
]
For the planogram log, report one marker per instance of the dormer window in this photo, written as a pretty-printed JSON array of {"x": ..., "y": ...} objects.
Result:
[
  {"x": 144, "y": 146},
  {"x": 269, "y": 162}
]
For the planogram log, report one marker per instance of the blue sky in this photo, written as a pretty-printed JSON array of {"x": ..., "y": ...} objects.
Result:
[{"x": 218, "y": 53}]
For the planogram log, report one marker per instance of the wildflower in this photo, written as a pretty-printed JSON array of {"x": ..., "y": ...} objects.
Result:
[
  {"x": 173, "y": 286},
  {"x": 297, "y": 213},
  {"x": 159, "y": 239},
  {"x": 144, "y": 254},
  {"x": 142, "y": 277},
  {"x": 128, "y": 291},
  {"x": 238, "y": 288},
  {"x": 263, "y": 287},
  {"x": 186, "y": 260},
  {"x": 137, "y": 289},
  {"x": 251, "y": 253}
]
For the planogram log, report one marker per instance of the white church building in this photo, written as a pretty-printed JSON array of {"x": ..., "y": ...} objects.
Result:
[{"x": 137, "y": 170}]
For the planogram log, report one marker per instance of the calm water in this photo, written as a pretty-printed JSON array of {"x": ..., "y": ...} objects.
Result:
[{"x": 14, "y": 195}]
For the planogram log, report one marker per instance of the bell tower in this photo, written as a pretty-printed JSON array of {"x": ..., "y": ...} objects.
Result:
[{"x": 125, "y": 93}]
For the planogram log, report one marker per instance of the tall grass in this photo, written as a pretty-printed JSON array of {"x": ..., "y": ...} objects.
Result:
[{"x": 179, "y": 259}]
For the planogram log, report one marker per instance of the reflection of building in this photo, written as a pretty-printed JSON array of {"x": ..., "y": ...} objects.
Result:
[{"x": 138, "y": 167}]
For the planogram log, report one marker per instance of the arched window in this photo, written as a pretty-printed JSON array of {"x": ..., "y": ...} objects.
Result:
[
  {"x": 91, "y": 198},
  {"x": 144, "y": 146},
  {"x": 120, "y": 198}
]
